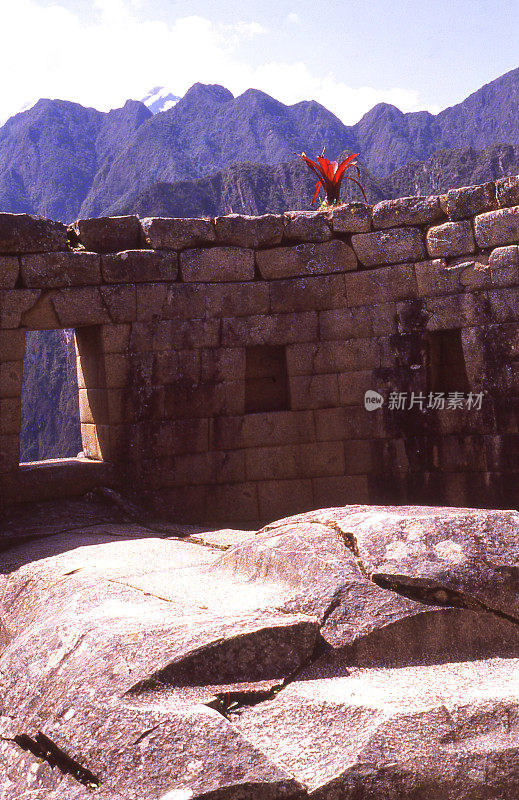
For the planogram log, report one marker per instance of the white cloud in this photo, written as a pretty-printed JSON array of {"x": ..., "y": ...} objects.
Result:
[
  {"x": 291, "y": 83},
  {"x": 119, "y": 55},
  {"x": 245, "y": 29},
  {"x": 293, "y": 18}
]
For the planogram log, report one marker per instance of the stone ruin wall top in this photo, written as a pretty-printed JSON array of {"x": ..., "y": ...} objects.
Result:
[{"x": 170, "y": 313}]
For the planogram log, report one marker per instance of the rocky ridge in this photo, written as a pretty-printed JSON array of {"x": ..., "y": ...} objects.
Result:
[
  {"x": 263, "y": 188},
  {"x": 343, "y": 653},
  {"x": 63, "y": 160}
]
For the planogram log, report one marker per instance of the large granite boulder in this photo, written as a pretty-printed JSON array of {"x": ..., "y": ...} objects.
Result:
[{"x": 358, "y": 652}]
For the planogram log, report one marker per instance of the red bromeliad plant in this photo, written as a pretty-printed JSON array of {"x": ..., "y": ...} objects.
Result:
[{"x": 330, "y": 175}]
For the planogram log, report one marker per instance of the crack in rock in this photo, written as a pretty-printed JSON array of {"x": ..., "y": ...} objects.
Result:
[
  {"x": 428, "y": 595},
  {"x": 227, "y": 703},
  {"x": 44, "y": 748},
  {"x": 438, "y": 596}
]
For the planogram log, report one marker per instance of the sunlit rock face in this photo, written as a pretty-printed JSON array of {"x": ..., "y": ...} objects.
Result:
[{"x": 347, "y": 652}]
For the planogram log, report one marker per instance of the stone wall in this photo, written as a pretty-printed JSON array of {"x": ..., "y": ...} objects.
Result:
[{"x": 223, "y": 364}]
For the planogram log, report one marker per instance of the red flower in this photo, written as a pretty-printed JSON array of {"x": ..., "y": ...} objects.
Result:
[{"x": 330, "y": 175}]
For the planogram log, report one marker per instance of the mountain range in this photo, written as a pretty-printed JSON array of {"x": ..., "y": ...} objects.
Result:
[
  {"x": 262, "y": 188},
  {"x": 211, "y": 153},
  {"x": 65, "y": 161}
]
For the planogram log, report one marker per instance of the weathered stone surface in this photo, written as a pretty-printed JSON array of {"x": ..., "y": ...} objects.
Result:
[
  {"x": 351, "y": 218},
  {"x": 23, "y": 233},
  {"x": 457, "y": 275},
  {"x": 163, "y": 233},
  {"x": 108, "y": 234},
  {"x": 389, "y": 247},
  {"x": 247, "y": 231},
  {"x": 11, "y": 378},
  {"x": 116, "y": 586},
  {"x": 236, "y": 299},
  {"x": 9, "y": 452},
  {"x": 10, "y": 414},
  {"x": 470, "y": 200},
  {"x": 139, "y": 266},
  {"x": 450, "y": 239},
  {"x": 12, "y": 345},
  {"x": 217, "y": 264},
  {"x": 80, "y": 306},
  {"x": 332, "y": 356},
  {"x": 370, "y": 287},
  {"x": 271, "y": 329},
  {"x": 434, "y": 732},
  {"x": 52, "y": 270},
  {"x": 346, "y": 323},
  {"x": 282, "y": 310},
  {"x": 121, "y": 302},
  {"x": 191, "y": 401},
  {"x": 305, "y": 259},
  {"x": 371, "y": 624},
  {"x": 308, "y": 294},
  {"x": 507, "y": 191},
  {"x": 314, "y": 391},
  {"x": 353, "y": 385},
  {"x": 42, "y": 315},
  {"x": 36, "y": 482},
  {"x": 504, "y": 265},
  {"x": 156, "y": 570},
  {"x": 294, "y": 461},
  {"x": 407, "y": 211},
  {"x": 497, "y": 227},
  {"x": 179, "y": 437},
  {"x": 151, "y": 298},
  {"x": 307, "y": 226},
  {"x": 262, "y": 429},
  {"x": 9, "y": 271},
  {"x": 504, "y": 304},
  {"x": 451, "y": 311},
  {"x": 14, "y": 303},
  {"x": 133, "y": 646},
  {"x": 474, "y": 272},
  {"x": 204, "y": 754},
  {"x": 445, "y": 551},
  {"x": 184, "y": 301},
  {"x": 275, "y": 496},
  {"x": 186, "y": 334}
]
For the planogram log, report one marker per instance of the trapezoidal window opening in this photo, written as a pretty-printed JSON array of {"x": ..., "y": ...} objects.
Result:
[
  {"x": 446, "y": 369},
  {"x": 266, "y": 379},
  {"x": 50, "y": 426}
]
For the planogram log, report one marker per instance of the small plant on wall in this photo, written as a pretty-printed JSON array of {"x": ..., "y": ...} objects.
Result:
[{"x": 331, "y": 174}]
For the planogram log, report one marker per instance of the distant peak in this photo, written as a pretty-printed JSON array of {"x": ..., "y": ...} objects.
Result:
[
  {"x": 261, "y": 100},
  {"x": 256, "y": 93},
  {"x": 160, "y": 99},
  {"x": 382, "y": 110},
  {"x": 208, "y": 92},
  {"x": 132, "y": 109},
  {"x": 47, "y": 104}
]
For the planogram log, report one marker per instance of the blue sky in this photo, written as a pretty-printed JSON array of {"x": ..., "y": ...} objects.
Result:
[{"x": 347, "y": 55}]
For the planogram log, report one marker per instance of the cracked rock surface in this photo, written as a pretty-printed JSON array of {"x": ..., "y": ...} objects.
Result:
[{"x": 357, "y": 652}]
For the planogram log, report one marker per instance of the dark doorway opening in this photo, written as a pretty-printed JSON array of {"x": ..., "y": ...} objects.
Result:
[
  {"x": 266, "y": 379},
  {"x": 446, "y": 370}
]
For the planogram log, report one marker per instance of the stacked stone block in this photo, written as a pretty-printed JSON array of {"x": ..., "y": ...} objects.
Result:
[{"x": 171, "y": 315}]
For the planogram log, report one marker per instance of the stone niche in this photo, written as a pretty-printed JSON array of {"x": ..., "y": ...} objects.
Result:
[{"x": 223, "y": 363}]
